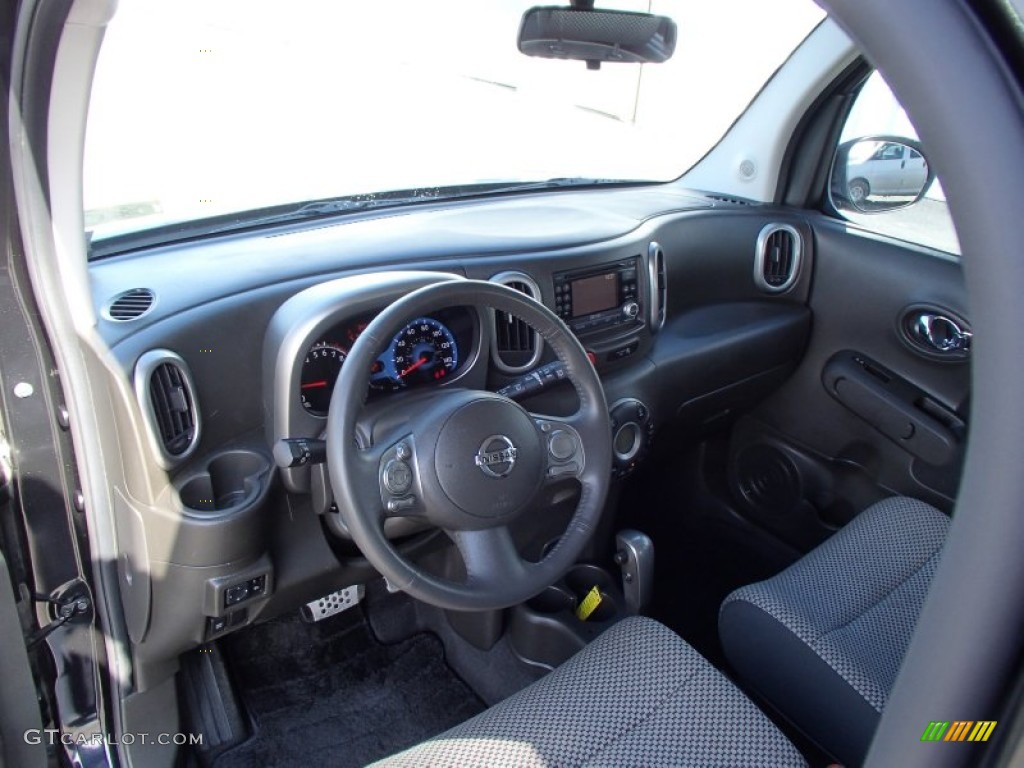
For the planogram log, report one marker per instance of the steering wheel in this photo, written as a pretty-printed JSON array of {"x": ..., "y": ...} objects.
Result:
[{"x": 467, "y": 461}]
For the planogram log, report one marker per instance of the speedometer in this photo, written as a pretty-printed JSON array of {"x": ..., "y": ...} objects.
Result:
[{"x": 425, "y": 350}]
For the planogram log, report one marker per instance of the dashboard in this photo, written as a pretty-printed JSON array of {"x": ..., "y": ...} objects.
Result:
[{"x": 657, "y": 285}]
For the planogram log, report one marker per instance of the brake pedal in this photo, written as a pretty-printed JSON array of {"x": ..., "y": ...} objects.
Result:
[{"x": 336, "y": 602}]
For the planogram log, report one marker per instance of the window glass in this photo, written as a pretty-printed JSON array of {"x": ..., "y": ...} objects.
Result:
[{"x": 204, "y": 108}]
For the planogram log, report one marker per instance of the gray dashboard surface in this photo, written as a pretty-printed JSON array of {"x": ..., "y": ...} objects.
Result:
[{"x": 189, "y": 274}]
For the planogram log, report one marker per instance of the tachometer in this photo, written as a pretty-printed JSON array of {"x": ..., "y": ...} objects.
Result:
[
  {"x": 425, "y": 350},
  {"x": 320, "y": 370}
]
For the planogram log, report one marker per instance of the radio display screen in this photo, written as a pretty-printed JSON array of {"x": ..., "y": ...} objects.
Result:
[{"x": 595, "y": 294}]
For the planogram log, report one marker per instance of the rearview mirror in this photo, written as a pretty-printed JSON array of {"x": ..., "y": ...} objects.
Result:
[
  {"x": 594, "y": 36},
  {"x": 880, "y": 173}
]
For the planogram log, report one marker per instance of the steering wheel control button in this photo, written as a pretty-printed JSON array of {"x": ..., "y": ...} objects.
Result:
[
  {"x": 561, "y": 445},
  {"x": 396, "y": 506},
  {"x": 403, "y": 452},
  {"x": 397, "y": 477},
  {"x": 563, "y": 470}
]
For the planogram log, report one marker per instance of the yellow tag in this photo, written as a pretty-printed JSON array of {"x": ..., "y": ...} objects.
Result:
[{"x": 589, "y": 604}]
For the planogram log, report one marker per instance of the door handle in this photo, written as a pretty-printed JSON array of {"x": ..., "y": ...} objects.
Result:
[{"x": 940, "y": 333}]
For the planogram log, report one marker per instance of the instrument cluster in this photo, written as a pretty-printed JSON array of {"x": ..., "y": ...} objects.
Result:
[{"x": 430, "y": 349}]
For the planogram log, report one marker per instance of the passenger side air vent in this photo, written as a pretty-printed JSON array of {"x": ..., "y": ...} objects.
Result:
[
  {"x": 167, "y": 397},
  {"x": 658, "y": 281},
  {"x": 777, "y": 258},
  {"x": 130, "y": 305},
  {"x": 516, "y": 347}
]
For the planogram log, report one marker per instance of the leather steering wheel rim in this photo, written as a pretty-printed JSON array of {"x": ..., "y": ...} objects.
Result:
[{"x": 481, "y": 538}]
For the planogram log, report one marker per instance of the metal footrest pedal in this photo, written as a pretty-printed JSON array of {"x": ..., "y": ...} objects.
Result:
[{"x": 336, "y": 602}]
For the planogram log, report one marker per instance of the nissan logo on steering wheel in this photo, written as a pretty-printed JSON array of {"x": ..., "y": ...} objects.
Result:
[{"x": 497, "y": 456}]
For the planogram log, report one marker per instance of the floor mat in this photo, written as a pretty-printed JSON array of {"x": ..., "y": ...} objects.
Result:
[{"x": 328, "y": 694}]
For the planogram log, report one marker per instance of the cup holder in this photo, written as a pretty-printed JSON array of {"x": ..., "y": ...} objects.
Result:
[
  {"x": 583, "y": 578},
  {"x": 545, "y": 630},
  {"x": 553, "y": 599},
  {"x": 231, "y": 480}
]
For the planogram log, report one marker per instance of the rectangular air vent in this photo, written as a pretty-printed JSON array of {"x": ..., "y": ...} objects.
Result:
[
  {"x": 778, "y": 255},
  {"x": 516, "y": 345},
  {"x": 167, "y": 396}
]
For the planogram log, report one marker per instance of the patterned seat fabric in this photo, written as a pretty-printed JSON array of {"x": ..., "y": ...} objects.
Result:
[
  {"x": 636, "y": 696},
  {"x": 823, "y": 640}
]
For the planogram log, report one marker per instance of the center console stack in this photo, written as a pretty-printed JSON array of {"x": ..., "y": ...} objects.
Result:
[{"x": 604, "y": 298}]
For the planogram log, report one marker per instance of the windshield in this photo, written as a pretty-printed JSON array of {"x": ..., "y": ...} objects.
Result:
[{"x": 202, "y": 108}]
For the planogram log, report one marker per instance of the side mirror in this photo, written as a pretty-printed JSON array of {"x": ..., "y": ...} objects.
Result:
[
  {"x": 595, "y": 36},
  {"x": 875, "y": 174}
]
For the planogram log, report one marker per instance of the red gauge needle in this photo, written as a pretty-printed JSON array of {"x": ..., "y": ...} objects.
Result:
[
  {"x": 314, "y": 385},
  {"x": 414, "y": 366}
]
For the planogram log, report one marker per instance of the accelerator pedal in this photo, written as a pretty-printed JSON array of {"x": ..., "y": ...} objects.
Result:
[{"x": 334, "y": 603}]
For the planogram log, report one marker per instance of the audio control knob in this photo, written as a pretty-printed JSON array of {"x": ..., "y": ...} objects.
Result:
[{"x": 631, "y": 309}]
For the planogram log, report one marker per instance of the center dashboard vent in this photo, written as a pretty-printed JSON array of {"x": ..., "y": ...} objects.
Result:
[
  {"x": 777, "y": 258},
  {"x": 166, "y": 394},
  {"x": 516, "y": 347}
]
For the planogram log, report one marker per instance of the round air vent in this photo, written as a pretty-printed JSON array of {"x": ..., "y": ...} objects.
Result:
[
  {"x": 767, "y": 479},
  {"x": 130, "y": 305}
]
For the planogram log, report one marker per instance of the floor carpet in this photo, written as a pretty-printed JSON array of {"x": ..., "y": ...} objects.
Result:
[{"x": 328, "y": 694}]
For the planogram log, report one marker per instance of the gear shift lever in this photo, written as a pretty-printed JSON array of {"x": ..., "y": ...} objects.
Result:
[{"x": 634, "y": 553}]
